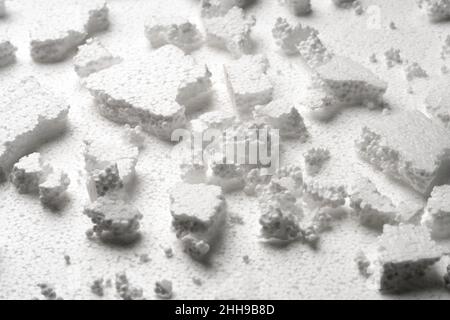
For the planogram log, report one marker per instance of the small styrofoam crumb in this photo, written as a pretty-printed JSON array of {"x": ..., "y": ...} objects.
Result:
[
  {"x": 163, "y": 289},
  {"x": 43, "y": 117},
  {"x": 53, "y": 190},
  {"x": 350, "y": 82},
  {"x": 28, "y": 173},
  {"x": 437, "y": 10},
  {"x": 437, "y": 212},
  {"x": 153, "y": 95},
  {"x": 55, "y": 38},
  {"x": 247, "y": 82},
  {"x": 174, "y": 30},
  {"x": 114, "y": 219},
  {"x": 299, "y": 7},
  {"x": 7, "y": 53},
  {"x": 438, "y": 101},
  {"x": 393, "y": 57},
  {"x": 126, "y": 290},
  {"x": 315, "y": 159},
  {"x": 103, "y": 158},
  {"x": 282, "y": 115},
  {"x": 197, "y": 223},
  {"x": 230, "y": 32},
  {"x": 289, "y": 37},
  {"x": 392, "y": 25},
  {"x": 48, "y": 292},
  {"x": 402, "y": 257},
  {"x": 93, "y": 57},
  {"x": 414, "y": 70},
  {"x": 408, "y": 147},
  {"x": 98, "y": 287},
  {"x": 323, "y": 193}
]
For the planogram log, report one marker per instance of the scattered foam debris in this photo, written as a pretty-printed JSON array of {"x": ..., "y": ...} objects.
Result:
[
  {"x": 401, "y": 147},
  {"x": 436, "y": 10},
  {"x": 174, "y": 30},
  {"x": 163, "y": 289},
  {"x": 125, "y": 290},
  {"x": 98, "y": 287},
  {"x": 403, "y": 255},
  {"x": 54, "y": 38},
  {"x": 48, "y": 292},
  {"x": 132, "y": 91},
  {"x": 289, "y": 37},
  {"x": 437, "y": 213},
  {"x": 93, "y": 57},
  {"x": 414, "y": 70},
  {"x": 248, "y": 83},
  {"x": 197, "y": 224},
  {"x": 43, "y": 118},
  {"x": 231, "y": 32},
  {"x": 7, "y": 52}
]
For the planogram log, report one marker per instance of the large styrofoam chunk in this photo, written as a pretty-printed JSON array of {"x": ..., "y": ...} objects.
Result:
[
  {"x": 437, "y": 212},
  {"x": 197, "y": 223},
  {"x": 247, "y": 82},
  {"x": 56, "y": 36},
  {"x": 153, "y": 92},
  {"x": 31, "y": 116},
  {"x": 174, "y": 30},
  {"x": 409, "y": 147},
  {"x": 230, "y": 32}
]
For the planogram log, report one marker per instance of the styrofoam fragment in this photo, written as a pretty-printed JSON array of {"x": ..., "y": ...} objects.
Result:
[
  {"x": 52, "y": 191},
  {"x": 321, "y": 105},
  {"x": 114, "y": 219},
  {"x": 175, "y": 30},
  {"x": 289, "y": 37},
  {"x": 197, "y": 223},
  {"x": 54, "y": 38},
  {"x": 350, "y": 82},
  {"x": 7, "y": 53},
  {"x": 230, "y": 32},
  {"x": 282, "y": 115},
  {"x": 154, "y": 92},
  {"x": 409, "y": 147},
  {"x": 247, "y": 82},
  {"x": 28, "y": 173},
  {"x": 438, "y": 101},
  {"x": 393, "y": 57},
  {"x": 99, "y": 155},
  {"x": 299, "y": 7},
  {"x": 104, "y": 181},
  {"x": 93, "y": 57},
  {"x": 312, "y": 50},
  {"x": 315, "y": 159},
  {"x": 325, "y": 194},
  {"x": 414, "y": 70},
  {"x": 437, "y": 10},
  {"x": 42, "y": 115},
  {"x": 403, "y": 255},
  {"x": 214, "y": 8},
  {"x": 437, "y": 212}
]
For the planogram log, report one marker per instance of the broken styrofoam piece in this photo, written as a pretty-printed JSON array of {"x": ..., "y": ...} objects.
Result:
[
  {"x": 153, "y": 92},
  {"x": 436, "y": 10},
  {"x": 403, "y": 255},
  {"x": 114, "y": 219},
  {"x": 289, "y": 37},
  {"x": 215, "y": 8},
  {"x": 438, "y": 101},
  {"x": 176, "y": 30},
  {"x": 311, "y": 48},
  {"x": 55, "y": 38},
  {"x": 325, "y": 194},
  {"x": 93, "y": 57},
  {"x": 248, "y": 83},
  {"x": 321, "y": 105},
  {"x": 282, "y": 115},
  {"x": 437, "y": 213},
  {"x": 350, "y": 82},
  {"x": 43, "y": 117},
  {"x": 7, "y": 53},
  {"x": 103, "y": 158},
  {"x": 52, "y": 191},
  {"x": 28, "y": 173},
  {"x": 197, "y": 223},
  {"x": 230, "y": 32},
  {"x": 414, "y": 70},
  {"x": 409, "y": 147},
  {"x": 104, "y": 181}
]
